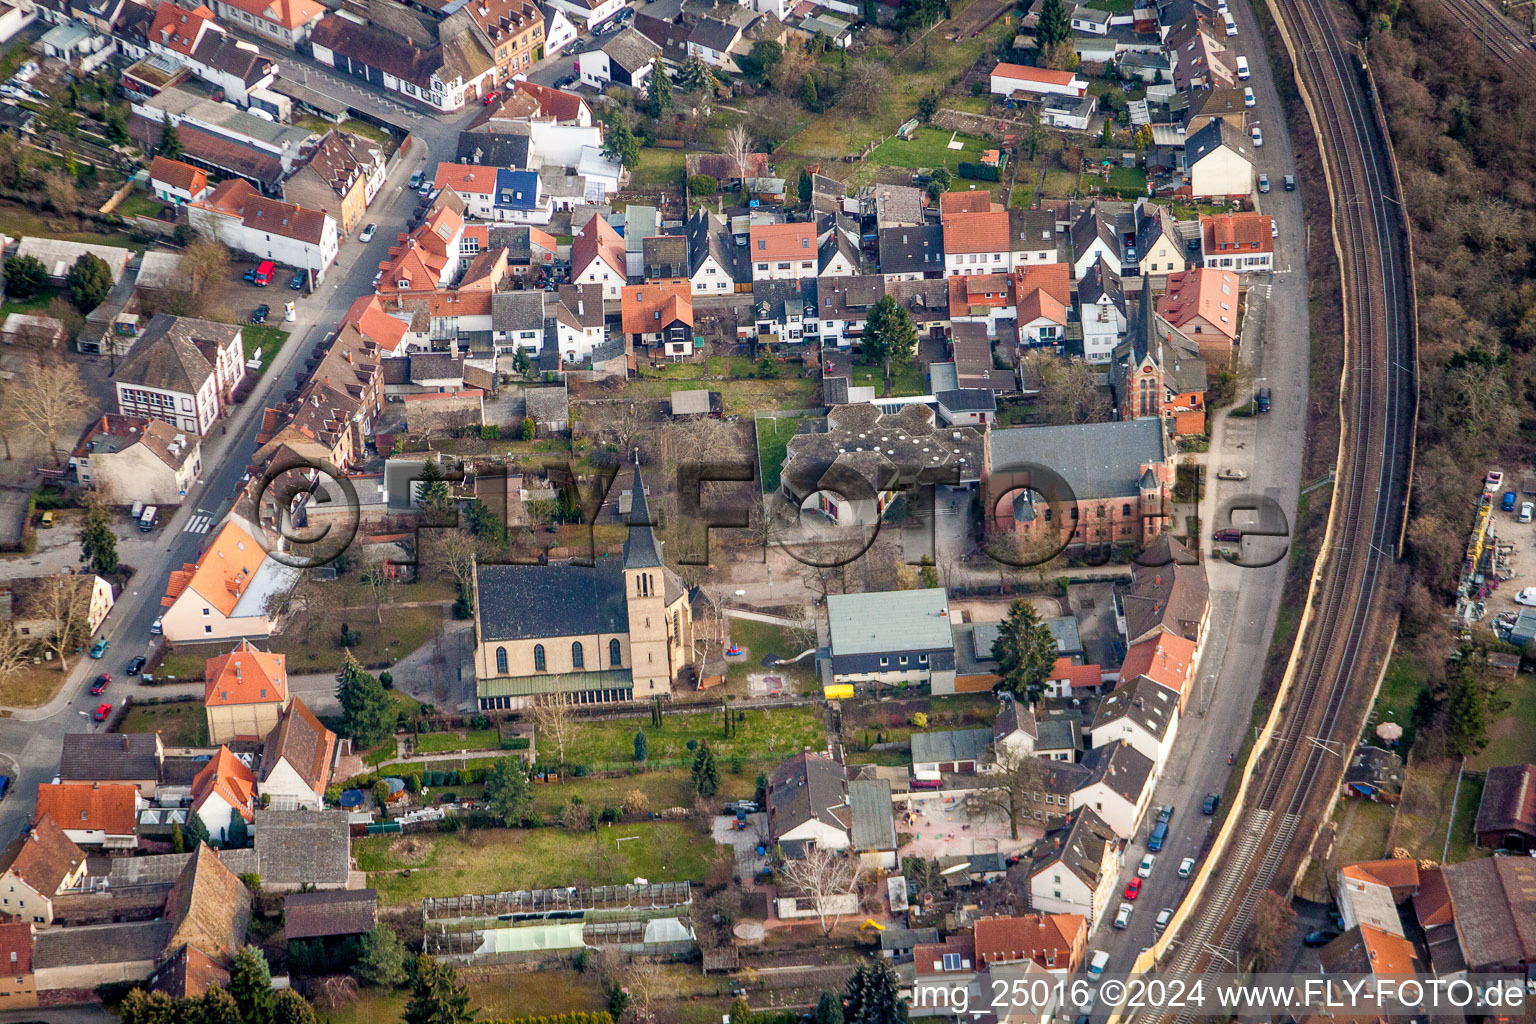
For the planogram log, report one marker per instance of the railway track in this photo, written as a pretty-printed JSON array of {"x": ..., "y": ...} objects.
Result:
[
  {"x": 1490, "y": 27},
  {"x": 1328, "y": 698}
]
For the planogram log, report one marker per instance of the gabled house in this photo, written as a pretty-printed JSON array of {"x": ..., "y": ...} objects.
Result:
[
  {"x": 177, "y": 182},
  {"x": 785, "y": 311},
  {"x": 971, "y": 351},
  {"x": 1168, "y": 660},
  {"x": 977, "y": 243},
  {"x": 134, "y": 458},
  {"x": 1042, "y": 296},
  {"x": 1056, "y": 942},
  {"x": 1240, "y": 242},
  {"x": 209, "y": 908},
  {"x": 627, "y": 59},
  {"x": 837, "y": 256},
  {"x": 664, "y": 260},
  {"x": 1141, "y": 712},
  {"x": 1506, "y": 813},
  {"x": 1203, "y": 306},
  {"x": 659, "y": 317},
  {"x": 35, "y": 868},
  {"x": 713, "y": 268},
  {"x": 181, "y": 370},
  {"x": 227, "y": 593},
  {"x": 131, "y": 757},
  {"x": 1009, "y": 80},
  {"x": 296, "y": 760},
  {"x": 597, "y": 257},
  {"x": 951, "y": 751},
  {"x": 1032, "y": 236},
  {"x": 911, "y": 252},
  {"x": 245, "y": 693},
  {"x": 93, "y": 814},
  {"x": 1102, "y": 312},
  {"x": 238, "y": 216},
  {"x": 843, "y": 305},
  {"x": 1118, "y": 786},
  {"x": 1164, "y": 378},
  {"x": 1218, "y": 161},
  {"x": 223, "y": 789},
  {"x": 1169, "y": 594},
  {"x": 807, "y": 801},
  {"x": 285, "y": 22},
  {"x": 579, "y": 323},
  {"x": 18, "y": 983},
  {"x": 341, "y": 172},
  {"x": 782, "y": 251},
  {"x": 448, "y": 65},
  {"x": 1074, "y": 867}
]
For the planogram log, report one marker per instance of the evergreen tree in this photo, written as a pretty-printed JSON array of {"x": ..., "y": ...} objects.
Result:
[
  {"x": 1054, "y": 26},
  {"x": 741, "y": 1011},
  {"x": 25, "y": 277},
  {"x": 659, "y": 92},
  {"x": 808, "y": 95},
  {"x": 1025, "y": 650},
  {"x": 140, "y": 1007},
  {"x": 829, "y": 1009},
  {"x": 250, "y": 982},
  {"x": 1467, "y": 706},
  {"x": 694, "y": 75},
  {"x": 873, "y": 997},
  {"x": 288, "y": 1007},
  {"x": 169, "y": 145},
  {"x": 239, "y": 832},
  {"x": 216, "y": 1006},
  {"x": 365, "y": 708},
  {"x": 927, "y": 572},
  {"x": 117, "y": 128},
  {"x": 507, "y": 790},
  {"x": 705, "y": 772},
  {"x": 806, "y": 187},
  {"x": 88, "y": 282},
  {"x": 98, "y": 544},
  {"x": 620, "y": 142},
  {"x": 381, "y": 960},
  {"x": 436, "y": 996},
  {"x": 178, "y": 841},
  {"x": 890, "y": 339},
  {"x": 196, "y": 832},
  {"x": 642, "y": 746}
]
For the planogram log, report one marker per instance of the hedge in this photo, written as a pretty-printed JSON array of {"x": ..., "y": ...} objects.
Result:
[
  {"x": 979, "y": 172},
  {"x": 599, "y": 1017}
]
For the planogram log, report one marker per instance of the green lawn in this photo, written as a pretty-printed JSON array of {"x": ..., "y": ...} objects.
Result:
[
  {"x": 185, "y": 665},
  {"x": 772, "y": 445},
  {"x": 496, "y": 860},
  {"x": 265, "y": 337},
  {"x": 1511, "y": 732},
  {"x": 1022, "y": 197},
  {"x": 445, "y": 742},
  {"x": 1400, "y": 688},
  {"x": 1128, "y": 181},
  {"x": 761, "y": 736},
  {"x": 1462, "y": 835},
  {"x": 36, "y": 304},
  {"x": 1060, "y": 184},
  {"x": 929, "y": 147},
  {"x": 658, "y": 168},
  {"x": 382, "y": 644},
  {"x": 763, "y": 638},
  {"x": 139, "y": 204},
  {"x": 180, "y": 723},
  {"x": 501, "y": 997},
  {"x": 352, "y": 125},
  {"x": 663, "y": 788},
  {"x": 906, "y": 381}
]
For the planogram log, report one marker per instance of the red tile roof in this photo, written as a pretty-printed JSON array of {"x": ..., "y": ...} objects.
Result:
[
  {"x": 1165, "y": 659},
  {"x": 648, "y": 307},
  {"x": 976, "y": 232},
  {"x": 112, "y": 808},
  {"x": 979, "y": 201},
  {"x": 1045, "y": 76},
  {"x": 178, "y": 174},
  {"x": 467, "y": 179},
  {"x": 226, "y": 777},
  {"x": 1244, "y": 232},
  {"x": 1211, "y": 295},
  {"x": 15, "y": 949},
  {"x": 1048, "y": 939},
  {"x": 180, "y": 29},
  {"x": 596, "y": 241},
  {"x": 44, "y": 857},
  {"x": 555, "y": 103},
  {"x": 246, "y": 675},
  {"x": 368, "y": 316},
  {"x": 782, "y": 242},
  {"x": 289, "y": 14}
]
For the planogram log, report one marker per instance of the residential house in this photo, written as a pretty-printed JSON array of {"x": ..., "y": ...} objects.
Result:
[
  {"x": 782, "y": 251},
  {"x": 181, "y": 370},
  {"x": 1219, "y": 162},
  {"x": 1075, "y": 866},
  {"x": 947, "y": 751},
  {"x": 579, "y": 322},
  {"x": 439, "y": 73},
  {"x": 131, "y": 757},
  {"x": 1118, "y": 475},
  {"x": 872, "y": 823},
  {"x": 1506, "y": 813},
  {"x": 843, "y": 305},
  {"x": 1169, "y": 593},
  {"x": 1370, "y": 892},
  {"x": 659, "y": 317},
  {"x": 597, "y": 257},
  {"x": 510, "y": 31},
  {"x": 285, "y": 22},
  {"x": 35, "y": 868},
  {"x": 911, "y": 252},
  {"x": 1057, "y": 942},
  {"x": 34, "y": 606},
  {"x": 330, "y": 915},
  {"x": 1118, "y": 786},
  {"x": 1032, "y": 236},
  {"x": 134, "y": 459},
  {"x": 807, "y": 801},
  {"x": 1071, "y": 680},
  {"x": 986, "y": 299},
  {"x": 296, "y": 760},
  {"x": 1008, "y": 80},
  {"x": 1219, "y": 104},
  {"x": 192, "y": 39},
  {"x": 1014, "y": 729},
  {"x": 1042, "y": 296},
  {"x": 784, "y": 311},
  {"x": 245, "y": 693},
  {"x": 223, "y": 789},
  {"x": 971, "y": 350},
  {"x": 664, "y": 260},
  {"x": 1203, "y": 306},
  {"x": 885, "y": 638},
  {"x": 517, "y": 320},
  {"x": 897, "y": 206},
  {"x": 177, "y": 182},
  {"x": 712, "y": 265},
  {"x": 427, "y": 259},
  {"x": 626, "y": 58},
  {"x": 303, "y": 849},
  {"x": 590, "y": 15},
  {"x": 977, "y": 243},
  {"x": 227, "y": 594},
  {"x": 93, "y": 814},
  {"x": 235, "y": 214},
  {"x": 559, "y": 105},
  {"x": 971, "y": 407},
  {"x": 209, "y": 907},
  {"x": 343, "y": 172},
  {"x": 1240, "y": 242},
  {"x": 1168, "y": 660},
  {"x": 18, "y": 985},
  {"x": 1102, "y": 312},
  {"x": 837, "y": 255},
  {"x": 1141, "y": 712},
  {"x": 898, "y": 944}
]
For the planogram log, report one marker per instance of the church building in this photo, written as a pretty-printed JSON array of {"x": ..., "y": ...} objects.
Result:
[{"x": 619, "y": 630}]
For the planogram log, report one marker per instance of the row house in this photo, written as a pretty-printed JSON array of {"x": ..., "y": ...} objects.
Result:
[
  {"x": 444, "y": 75},
  {"x": 781, "y": 252},
  {"x": 341, "y": 171},
  {"x": 1240, "y": 242},
  {"x": 426, "y": 259},
  {"x": 598, "y": 257},
  {"x": 497, "y": 194},
  {"x": 181, "y": 370},
  {"x": 287, "y": 23},
  {"x": 1101, "y": 309},
  {"x": 1131, "y": 240},
  {"x": 235, "y": 214},
  {"x": 195, "y": 40},
  {"x": 713, "y": 266}
]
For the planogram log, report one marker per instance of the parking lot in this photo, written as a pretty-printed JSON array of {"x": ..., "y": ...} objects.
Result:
[{"x": 1515, "y": 543}]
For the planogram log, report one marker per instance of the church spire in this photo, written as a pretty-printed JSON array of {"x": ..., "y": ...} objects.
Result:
[{"x": 641, "y": 550}]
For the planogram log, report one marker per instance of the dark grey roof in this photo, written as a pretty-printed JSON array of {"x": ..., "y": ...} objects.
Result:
[
  {"x": 906, "y": 938},
  {"x": 1031, "y": 229},
  {"x": 100, "y": 944},
  {"x": 640, "y": 548},
  {"x": 1077, "y": 843},
  {"x": 778, "y": 300},
  {"x": 837, "y": 244},
  {"x": 436, "y": 366},
  {"x": 911, "y": 250},
  {"x": 968, "y": 400},
  {"x": 1213, "y": 136},
  {"x": 294, "y": 847},
  {"x": 109, "y": 757},
  {"x": 665, "y": 256},
  {"x": 1143, "y": 701},
  {"x": 1097, "y": 460},
  {"x": 708, "y": 236},
  {"x": 524, "y": 602},
  {"x": 1509, "y": 800},
  {"x": 950, "y": 745},
  {"x": 1058, "y": 734},
  {"x": 1064, "y": 628},
  {"x": 1168, "y": 590},
  {"x": 518, "y": 311},
  {"x": 714, "y": 34},
  {"x": 804, "y": 787},
  {"x": 630, "y": 50},
  {"x": 1121, "y": 767},
  {"x": 337, "y": 912},
  {"x": 583, "y": 303},
  {"x": 874, "y": 818},
  {"x": 1016, "y": 716},
  {"x": 1098, "y": 282},
  {"x": 834, "y": 390},
  {"x": 493, "y": 149},
  {"x": 169, "y": 356}
]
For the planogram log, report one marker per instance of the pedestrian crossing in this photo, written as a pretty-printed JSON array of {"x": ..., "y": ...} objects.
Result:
[{"x": 202, "y": 522}]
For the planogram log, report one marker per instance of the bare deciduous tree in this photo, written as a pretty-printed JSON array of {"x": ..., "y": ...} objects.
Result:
[
  {"x": 455, "y": 551},
  {"x": 1274, "y": 922},
  {"x": 1011, "y": 789},
  {"x": 65, "y": 601},
  {"x": 739, "y": 145},
  {"x": 828, "y": 878},
  {"x": 646, "y": 984},
  {"x": 15, "y": 653},
  {"x": 552, "y": 719},
  {"x": 47, "y": 393},
  {"x": 378, "y": 577},
  {"x": 803, "y": 632}
]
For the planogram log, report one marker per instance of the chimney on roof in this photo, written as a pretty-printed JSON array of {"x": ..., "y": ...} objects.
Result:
[{"x": 125, "y": 742}]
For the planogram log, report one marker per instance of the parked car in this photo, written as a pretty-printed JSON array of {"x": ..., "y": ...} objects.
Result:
[
  {"x": 1144, "y": 869},
  {"x": 103, "y": 712},
  {"x": 1165, "y": 813},
  {"x": 1098, "y": 963},
  {"x": 260, "y": 315},
  {"x": 1163, "y": 917},
  {"x": 1231, "y": 473},
  {"x": 99, "y": 649},
  {"x": 1242, "y": 68},
  {"x": 416, "y": 181},
  {"x": 136, "y": 665},
  {"x": 296, "y": 282},
  {"x": 569, "y": 80},
  {"x": 1264, "y": 184},
  {"x": 1258, "y": 136},
  {"x": 1123, "y": 916},
  {"x": 102, "y": 682},
  {"x": 577, "y": 46},
  {"x": 1227, "y": 536},
  {"x": 1493, "y": 481},
  {"x": 1526, "y": 596},
  {"x": 1249, "y": 100},
  {"x": 155, "y": 627},
  {"x": 1133, "y": 888},
  {"x": 1158, "y": 837},
  {"x": 1231, "y": 24},
  {"x": 1320, "y": 938},
  {"x": 1290, "y": 183},
  {"x": 368, "y": 233},
  {"x": 1527, "y": 511},
  {"x": 1212, "y": 801},
  {"x": 1262, "y": 400},
  {"x": 250, "y": 275},
  {"x": 1186, "y": 867},
  {"x": 1509, "y": 501}
]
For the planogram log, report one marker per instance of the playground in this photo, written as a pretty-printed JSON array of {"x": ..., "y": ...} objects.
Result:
[{"x": 942, "y": 826}]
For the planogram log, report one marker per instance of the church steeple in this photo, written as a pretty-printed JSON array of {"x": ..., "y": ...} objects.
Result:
[{"x": 641, "y": 549}]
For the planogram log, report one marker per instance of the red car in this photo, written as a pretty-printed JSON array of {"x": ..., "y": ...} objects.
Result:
[
  {"x": 489, "y": 99},
  {"x": 100, "y": 684},
  {"x": 102, "y": 712},
  {"x": 1133, "y": 889}
]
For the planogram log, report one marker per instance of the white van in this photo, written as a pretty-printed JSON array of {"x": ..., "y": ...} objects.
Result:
[
  {"x": 1231, "y": 24},
  {"x": 1242, "y": 68},
  {"x": 1098, "y": 963}
]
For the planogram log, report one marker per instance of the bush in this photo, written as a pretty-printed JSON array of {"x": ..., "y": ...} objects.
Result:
[
  {"x": 703, "y": 185},
  {"x": 979, "y": 172},
  {"x": 609, "y": 815},
  {"x": 490, "y": 432},
  {"x": 387, "y": 680}
]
